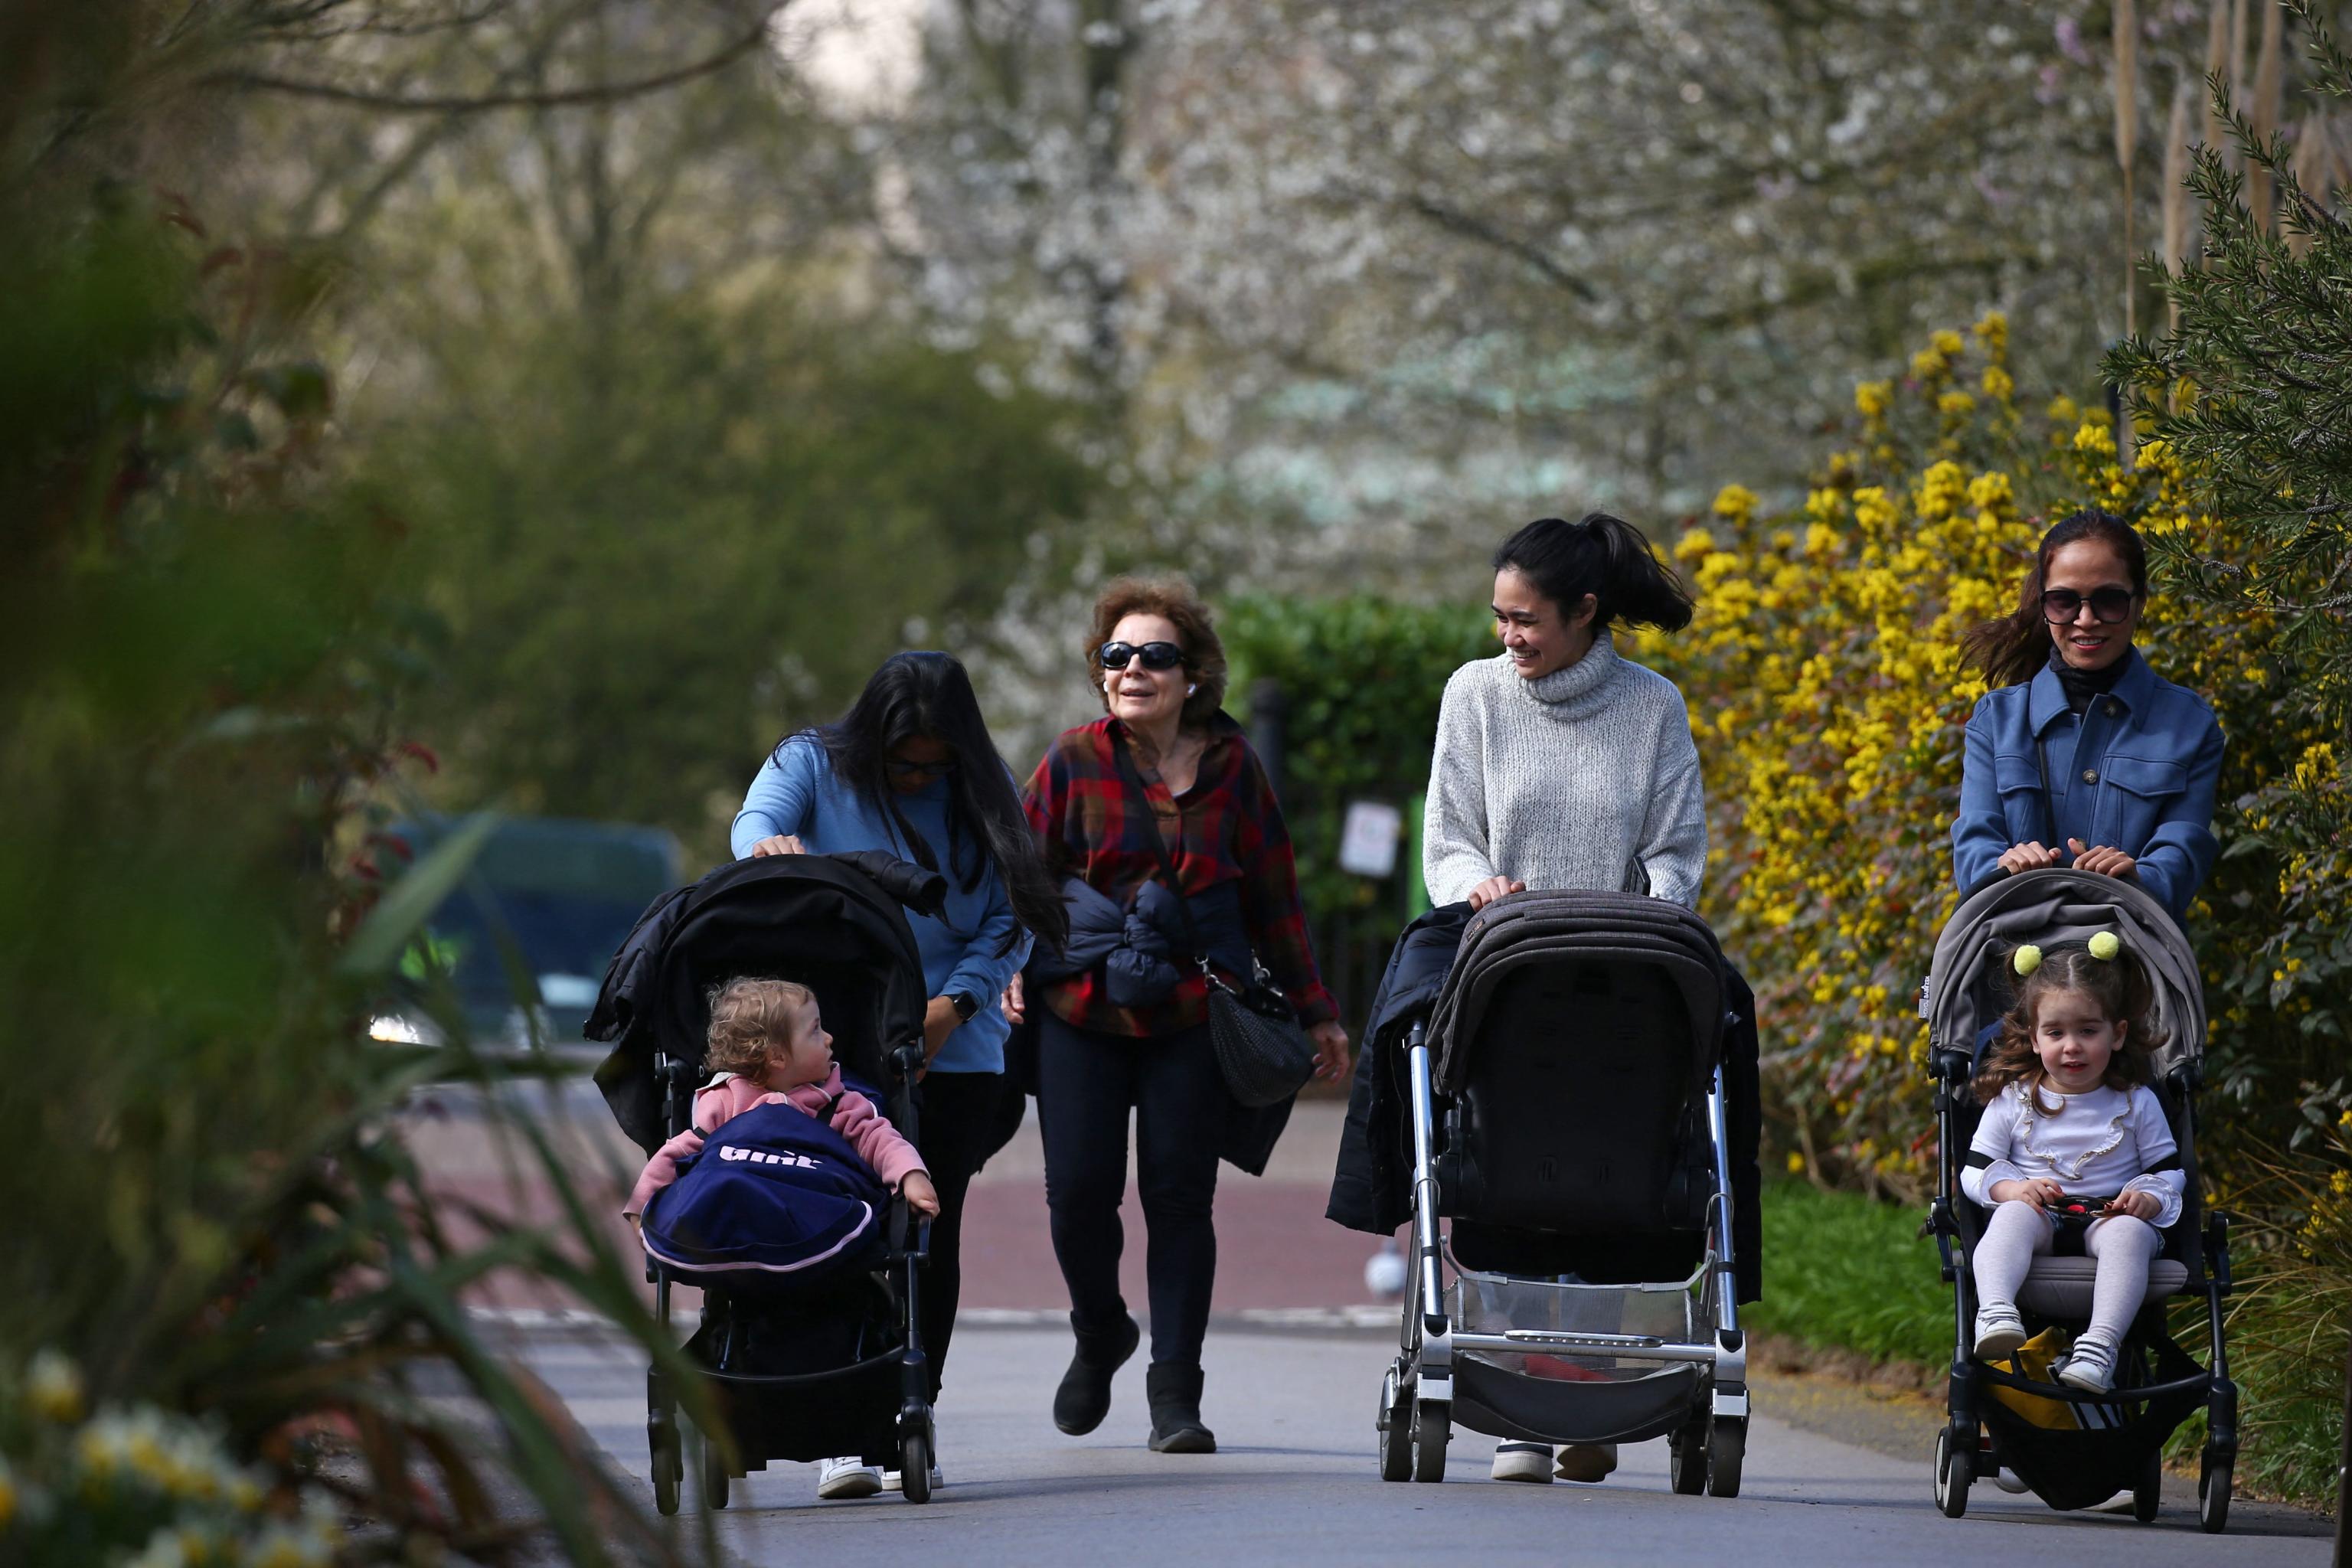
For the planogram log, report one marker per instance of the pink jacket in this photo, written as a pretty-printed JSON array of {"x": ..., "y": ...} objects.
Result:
[{"x": 878, "y": 1143}]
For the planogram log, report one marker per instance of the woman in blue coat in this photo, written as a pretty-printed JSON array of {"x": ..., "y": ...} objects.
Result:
[
  {"x": 911, "y": 769},
  {"x": 2082, "y": 755}
]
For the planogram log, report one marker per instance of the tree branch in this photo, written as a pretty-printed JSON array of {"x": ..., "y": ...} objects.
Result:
[{"x": 566, "y": 97}]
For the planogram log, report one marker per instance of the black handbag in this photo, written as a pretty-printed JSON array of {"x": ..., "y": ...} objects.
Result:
[{"x": 1264, "y": 1056}]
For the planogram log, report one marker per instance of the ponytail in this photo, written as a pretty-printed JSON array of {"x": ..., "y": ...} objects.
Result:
[
  {"x": 2009, "y": 648},
  {"x": 1606, "y": 557}
]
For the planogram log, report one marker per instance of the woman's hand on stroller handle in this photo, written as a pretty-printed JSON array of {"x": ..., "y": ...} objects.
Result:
[
  {"x": 2029, "y": 857},
  {"x": 1494, "y": 887},
  {"x": 778, "y": 844}
]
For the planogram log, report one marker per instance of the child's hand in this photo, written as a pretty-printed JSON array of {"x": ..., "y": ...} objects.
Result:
[
  {"x": 2136, "y": 1202},
  {"x": 921, "y": 1195},
  {"x": 2039, "y": 1191}
]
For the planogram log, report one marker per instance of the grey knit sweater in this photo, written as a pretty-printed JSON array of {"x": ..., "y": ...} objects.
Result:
[{"x": 1583, "y": 778}]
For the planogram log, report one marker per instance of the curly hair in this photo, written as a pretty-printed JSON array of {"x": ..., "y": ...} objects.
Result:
[
  {"x": 750, "y": 1018},
  {"x": 1196, "y": 633},
  {"x": 2118, "y": 985}
]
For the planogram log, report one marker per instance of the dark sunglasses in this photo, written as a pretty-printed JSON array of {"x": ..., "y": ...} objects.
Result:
[
  {"x": 2061, "y": 606},
  {"x": 1155, "y": 655},
  {"x": 906, "y": 770}
]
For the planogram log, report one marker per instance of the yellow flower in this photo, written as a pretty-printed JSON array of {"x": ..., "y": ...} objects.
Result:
[
  {"x": 1694, "y": 543},
  {"x": 1998, "y": 384},
  {"x": 2095, "y": 439},
  {"x": 1993, "y": 332},
  {"x": 1873, "y": 398},
  {"x": 1796, "y": 1164},
  {"x": 1955, "y": 403},
  {"x": 2063, "y": 411},
  {"x": 1737, "y": 502},
  {"x": 1930, "y": 365},
  {"x": 53, "y": 1388},
  {"x": 1949, "y": 343}
]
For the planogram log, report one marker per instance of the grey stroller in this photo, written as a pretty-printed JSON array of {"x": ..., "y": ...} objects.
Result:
[
  {"x": 2105, "y": 1443},
  {"x": 1566, "y": 1099}
]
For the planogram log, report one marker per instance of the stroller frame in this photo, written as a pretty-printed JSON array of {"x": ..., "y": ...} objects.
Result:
[
  {"x": 742, "y": 1395},
  {"x": 2199, "y": 1240},
  {"x": 1419, "y": 1403}
]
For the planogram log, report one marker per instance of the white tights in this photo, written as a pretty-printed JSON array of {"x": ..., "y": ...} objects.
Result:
[{"x": 2123, "y": 1246}]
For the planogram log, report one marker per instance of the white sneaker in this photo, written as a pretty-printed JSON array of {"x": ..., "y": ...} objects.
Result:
[
  {"x": 2007, "y": 1481},
  {"x": 896, "y": 1480},
  {"x": 1523, "y": 1462},
  {"x": 1998, "y": 1334},
  {"x": 2091, "y": 1367},
  {"x": 848, "y": 1478}
]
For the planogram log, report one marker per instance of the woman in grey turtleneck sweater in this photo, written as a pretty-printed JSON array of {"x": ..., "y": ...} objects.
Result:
[{"x": 1560, "y": 765}]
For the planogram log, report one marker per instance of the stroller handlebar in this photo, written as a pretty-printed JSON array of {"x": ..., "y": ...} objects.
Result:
[{"x": 925, "y": 893}]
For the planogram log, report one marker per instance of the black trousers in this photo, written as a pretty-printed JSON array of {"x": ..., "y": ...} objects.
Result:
[
  {"x": 961, "y": 1115},
  {"x": 1087, "y": 1082}
]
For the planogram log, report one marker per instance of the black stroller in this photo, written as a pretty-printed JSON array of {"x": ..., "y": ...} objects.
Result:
[
  {"x": 841, "y": 1370},
  {"x": 1565, "y": 1081},
  {"x": 2101, "y": 1444}
]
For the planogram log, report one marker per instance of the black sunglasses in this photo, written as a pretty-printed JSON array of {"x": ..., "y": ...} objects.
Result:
[
  {"x": 1155, "y": 655},
  {"x": 907, "y": 770},
  {"x": 2061, "y": 606}
]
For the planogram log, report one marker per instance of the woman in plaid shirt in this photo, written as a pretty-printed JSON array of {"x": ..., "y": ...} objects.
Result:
[{"x": 1160, "y": 671}]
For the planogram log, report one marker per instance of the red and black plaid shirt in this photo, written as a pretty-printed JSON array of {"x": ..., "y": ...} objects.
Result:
[{"x": 1226, "y": 828}]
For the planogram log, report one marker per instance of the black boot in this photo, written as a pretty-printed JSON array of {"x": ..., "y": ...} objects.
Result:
[
  {"x": 1084, "y": 1398},
  {"x": 1175, "y": 1392}
]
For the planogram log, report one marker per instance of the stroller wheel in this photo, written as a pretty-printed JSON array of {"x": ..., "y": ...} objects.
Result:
[
  {"x": 2213, "y": 1493},
  {"x": 661, "y": 1439},
  {"x": 1432, "y": 1425},
  {"x": 915, "y": 1466},
  {"x": 2148, "y": 1490},
  {"x": 711, "y": 1470},
  {"x": 1393, "y": 1429},
  {"x": 1725, "y": 1450},
  {"x": 1687, "y": 1454},
  {"x": 1955, "y": 1469}
]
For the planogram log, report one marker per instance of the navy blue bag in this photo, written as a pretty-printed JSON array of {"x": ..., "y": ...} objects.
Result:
[{"x": 775, "y": 1199}]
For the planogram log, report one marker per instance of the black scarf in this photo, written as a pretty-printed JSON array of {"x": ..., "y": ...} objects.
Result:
[{"x": 2082, "y": 685}]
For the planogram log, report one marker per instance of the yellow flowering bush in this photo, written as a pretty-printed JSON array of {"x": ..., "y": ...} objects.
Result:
[{"x": 1829, "y": 700}]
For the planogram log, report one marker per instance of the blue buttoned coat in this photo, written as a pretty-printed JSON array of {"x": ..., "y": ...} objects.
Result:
[{"x": 2134, "y": 772}]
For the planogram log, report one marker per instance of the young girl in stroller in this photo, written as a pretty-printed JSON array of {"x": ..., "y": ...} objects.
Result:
[
  {"x": 768, "y": 1046},
  {"x": 2074, "y": 1154}
]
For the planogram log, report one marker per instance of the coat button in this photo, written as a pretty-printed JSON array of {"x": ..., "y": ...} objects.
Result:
[
  {"x": 2115, "y": 708},
  {"x": 2090, "y": 775}
]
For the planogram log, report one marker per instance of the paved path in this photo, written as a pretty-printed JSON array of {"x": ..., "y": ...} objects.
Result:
[{"x": 1294, "y": 1485}]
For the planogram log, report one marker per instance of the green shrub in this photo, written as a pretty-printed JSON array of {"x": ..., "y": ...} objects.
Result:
[{"x": 1846, "y": 1271}]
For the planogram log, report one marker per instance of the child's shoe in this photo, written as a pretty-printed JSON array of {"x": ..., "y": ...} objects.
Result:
[
  {"x": 1523, "y": 1462},
  {"x": 1999, "y": 1332},
  {"x": 2091, "y": 1367},
  {"x": 848, "y": 1478}
]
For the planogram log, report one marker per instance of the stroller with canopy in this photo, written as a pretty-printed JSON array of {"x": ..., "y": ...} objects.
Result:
[
  {"x": 1564, "y": 1071},
  {"x": 828, "y": 1361},
  {"x": 2083, "y": 1447}
]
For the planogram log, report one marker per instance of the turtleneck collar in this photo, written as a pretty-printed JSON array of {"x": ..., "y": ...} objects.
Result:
[
  {"x": 1570, "y": 682},
  {"x": 2082, "y": 685}
]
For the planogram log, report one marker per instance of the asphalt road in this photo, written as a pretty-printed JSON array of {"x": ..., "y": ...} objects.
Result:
[{"x": 1294, "y": 1482}]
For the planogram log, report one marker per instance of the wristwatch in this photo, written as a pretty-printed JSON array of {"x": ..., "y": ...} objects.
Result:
[{"x": 965, "y": 1005}]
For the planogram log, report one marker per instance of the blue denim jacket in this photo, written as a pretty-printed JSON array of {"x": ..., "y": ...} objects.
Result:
[{"x": 2134, "y": 772}]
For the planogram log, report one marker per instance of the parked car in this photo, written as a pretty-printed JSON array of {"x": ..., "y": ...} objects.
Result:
[{"x": 526, "y": 935}]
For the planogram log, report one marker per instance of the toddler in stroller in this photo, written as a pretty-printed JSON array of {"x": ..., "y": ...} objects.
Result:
[
  {"x": 768, "y": 1047},
  {"x": 810, "y": 1343},
  {"x": 2078, "y": 1135}
]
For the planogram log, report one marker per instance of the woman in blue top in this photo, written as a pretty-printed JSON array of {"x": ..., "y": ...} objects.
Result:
[
  {"x": 2081, "y": 755},
  {"x": 911, "y": 769}
]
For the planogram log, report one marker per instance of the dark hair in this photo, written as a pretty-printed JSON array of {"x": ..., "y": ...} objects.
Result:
[
  {"x": 929, "y": 694},
  {"x": 2120, "y": 988},
  {"x": 1604, "y": 556},
  {"x": 2009, "y": 649},
  {"x": 1196, "y": 633}
]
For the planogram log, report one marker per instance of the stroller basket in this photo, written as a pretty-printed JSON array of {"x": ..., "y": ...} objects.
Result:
[{"x": 1576, "y": 1333}]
